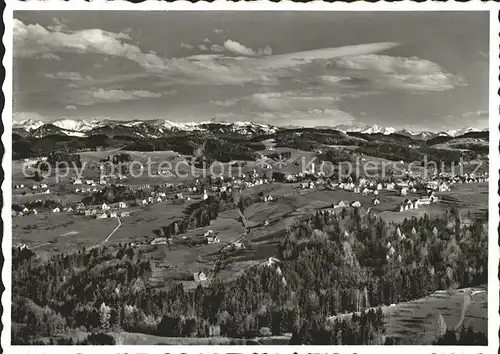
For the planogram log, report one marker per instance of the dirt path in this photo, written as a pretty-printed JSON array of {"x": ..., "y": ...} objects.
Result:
[{"x": 112, "y": 232}]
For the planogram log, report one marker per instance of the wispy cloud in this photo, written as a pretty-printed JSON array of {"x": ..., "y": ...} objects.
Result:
[
  {"x": 71, "y": 108},
  {"x": 63, "y": 75},
  {"x": 49, "y": 56},
  {"x": 91, "y": 97},
  {"x": 412, "y": 74},
  {"x": 478, "y": 119}
]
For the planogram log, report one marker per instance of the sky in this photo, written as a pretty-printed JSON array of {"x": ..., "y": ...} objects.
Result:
[{"x": 413, "y": 70}]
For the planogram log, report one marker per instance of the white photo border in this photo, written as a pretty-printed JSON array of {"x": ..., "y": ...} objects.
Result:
[{"x": 494, "y": 104}]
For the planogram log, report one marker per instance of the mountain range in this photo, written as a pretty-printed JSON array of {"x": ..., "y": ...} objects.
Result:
[{"x": 159, "y": 127}]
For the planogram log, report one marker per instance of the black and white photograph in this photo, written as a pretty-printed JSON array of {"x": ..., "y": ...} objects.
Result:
[{"x": 251, "y": 178}]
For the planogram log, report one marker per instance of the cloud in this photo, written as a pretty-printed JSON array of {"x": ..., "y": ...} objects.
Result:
[
  {"x": 33, "y": 39},
  {"x": 475, "y": 114},
  {"x": 412, "y": 74},
  {"x": 238, "y": 48},
  {"x": 169, "y": 93},
  {"x": 22, "y": 116},
  {"x": 267, "y": 50},
  {"x": 477, "y": 119},
  {"x": 49, "y": 56},
  {"x": 291, "y": 60},
  {"x": 217, "y": 48},
  {"x": 58, "y": 25},
  {"x": 72, "y": 76},
  {"x": 218, "y": 30},
  {"x": 226, "y": 103},
  {"x": 468, "y": 116},
  {"x": 91, "y": 97},
  {"x": 202, "y": 47},
  {"x": 333, "y": 79},
  {"x": 290, "y": 101},
  {"x": 187, "y": 45},
  {"x": 206, "y": 40},
  {"x": 71, "y": 108}
]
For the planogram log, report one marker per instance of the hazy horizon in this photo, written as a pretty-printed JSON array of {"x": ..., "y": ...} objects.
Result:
[{"x": 413, "y": 70}]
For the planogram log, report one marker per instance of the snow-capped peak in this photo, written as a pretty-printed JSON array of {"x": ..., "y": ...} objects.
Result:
[
  {"x": 458, "y": 132},
  {"x": 376, "y": 129},
  {"x": 28, "y": 124},
  {"x": 77, "y": 125}
]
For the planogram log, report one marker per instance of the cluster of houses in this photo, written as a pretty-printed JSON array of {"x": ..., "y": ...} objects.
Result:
[
  {"x": 408, "y": 204},
  {"x": 38, "y": 188},
  {"x": 103, "y": 180},
  {"x": 344, "y": 204},
  {"x": 209, "y": 237},
  {"x": 24, "y": 212}
]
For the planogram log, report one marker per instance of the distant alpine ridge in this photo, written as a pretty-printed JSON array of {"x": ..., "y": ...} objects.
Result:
[{"x": 157, "y": 128}]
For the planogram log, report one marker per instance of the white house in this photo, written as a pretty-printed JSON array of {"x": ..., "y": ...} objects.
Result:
[
  {"x": 212, "y": 239},
  {"x": 124, "y": 214},
  {"x": 105, "y": 206},
  {"x": 272, "y": 261},
  {"x": 356, "y": 204},
  {"x": 102, "y": 216},
  {"x": 122, "y": 205},
  {"x": 199, "y": 277},
  {"x": 341, "y": 204},
  {"x": 159, "y": 241},
  {"x": 56, "y": 210},
  {"x": 376, "y": 201},
  {"x": 404, "y": 191}
]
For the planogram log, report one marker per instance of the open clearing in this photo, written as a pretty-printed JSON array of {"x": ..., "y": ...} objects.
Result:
[{"x": 415, "y": 322}]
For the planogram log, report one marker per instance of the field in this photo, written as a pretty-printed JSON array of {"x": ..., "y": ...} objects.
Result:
[
  {"x": 267, "y": 224},
  {"x": 66, "y": 232},
  {"x": 415, "y": 322}
]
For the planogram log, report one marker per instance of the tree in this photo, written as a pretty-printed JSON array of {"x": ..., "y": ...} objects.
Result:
[{"x": 104, "y": 316}]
